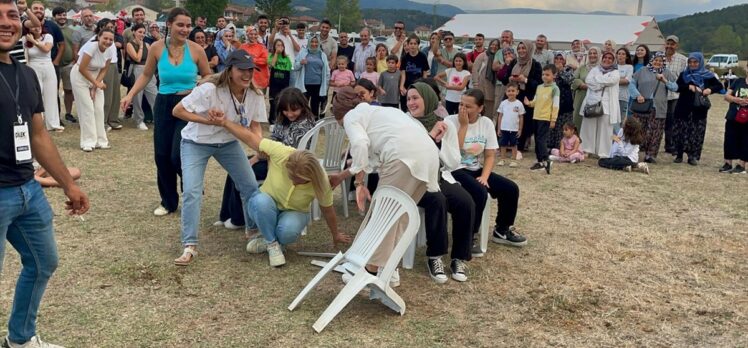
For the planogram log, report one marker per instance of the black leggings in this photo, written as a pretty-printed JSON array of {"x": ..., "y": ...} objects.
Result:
[
  {"x": 453, "y": 199},
  {"x": 505, "y": 191},
  {"x": 312, "y": 92},
  {"x": 616, "y": 163},
  {"x": 167, "y": 139},
  {"x": 452, "y": 107}
]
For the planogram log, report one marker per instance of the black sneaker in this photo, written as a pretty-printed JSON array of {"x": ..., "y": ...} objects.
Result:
[
  {"x": 726, "y": 168},
  {"x": 678, "y": 159},
  {"x": 509, "y": 237},
  {"x": 436, "y": 270},
  {"x": 537, "y": 166},
  {"x": 738, "y": 170},
  {"x": 548, "y": 165},
  {"x": 70, "y": 118},
  {"x": 459, "y": 270},
  {"x": 650, "y": 160},
  {"x": 476, "y": 250},
  {"x": 693, "y": 161}
]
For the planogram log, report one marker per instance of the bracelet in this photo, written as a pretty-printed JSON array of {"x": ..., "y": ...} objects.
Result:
[{"x": 358, "y": 183}]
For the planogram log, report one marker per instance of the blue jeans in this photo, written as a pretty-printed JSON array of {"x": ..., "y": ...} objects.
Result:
[
  {"x": 283, "y": 226},
  {"x": 195, "y": 158},
  {"x": 26, "y": 222}
]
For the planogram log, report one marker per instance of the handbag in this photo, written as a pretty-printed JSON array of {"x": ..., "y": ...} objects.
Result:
[
  {"x": 647, "y": 106},
  {"x": 742, "y": 115},
  {"x": 128, "y": 78},
  {"x": 700, "y": 101},
  {"x": 595, "y": 110}
]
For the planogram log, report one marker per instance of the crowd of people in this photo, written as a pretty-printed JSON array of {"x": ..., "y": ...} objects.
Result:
[{"x": 428, "y": 121}]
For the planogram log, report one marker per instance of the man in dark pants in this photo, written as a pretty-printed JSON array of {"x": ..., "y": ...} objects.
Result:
[{"x": 26, "y": 218}]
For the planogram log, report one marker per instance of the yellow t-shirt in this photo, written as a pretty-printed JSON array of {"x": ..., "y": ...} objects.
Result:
[
  {"x": 279, "y": 186},
  {"x": 381, "y": 65}
]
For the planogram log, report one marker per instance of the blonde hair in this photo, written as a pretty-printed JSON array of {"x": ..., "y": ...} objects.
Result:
[
  {"x": 304, "y": 165},
  {"x": 222, "y": 79}
]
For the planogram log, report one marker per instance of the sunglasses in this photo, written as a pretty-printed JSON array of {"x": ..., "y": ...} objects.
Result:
[{"x": 399, "y": 28}]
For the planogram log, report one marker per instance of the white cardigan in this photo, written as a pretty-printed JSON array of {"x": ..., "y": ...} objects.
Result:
[{"x": 605, "y": 88}]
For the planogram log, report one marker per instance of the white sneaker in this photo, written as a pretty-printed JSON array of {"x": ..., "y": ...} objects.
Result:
[
  {"x": 142, "y": 126},
  {"x": 275, "y": 254},
  {"x": 231, "y": 226},
  {"x": 513, "y": 164},
  {"x": 519, "y": 156},
  {"x": 160, "y": 211},
  {"x": 257, "y": 246},
  {"x": 105, "y": 147},
  {"x": 87, "y": 149},
  {"x": 501, "y": 163},
  {"x": 34, "y": 342},
  {"x": 108, "y": 128},
  {"x": 218, "y": 223}
]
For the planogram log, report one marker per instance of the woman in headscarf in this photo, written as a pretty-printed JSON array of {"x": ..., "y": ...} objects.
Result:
[
  {"x": 652, "y": 83},
  {"x": 609, "y": 46},
  {"x": 602, "y": 87},
  {"x": 690, "y": 120},
  {"x": 422, "y": 101},
  {"x": 579, "y": 86},
  {"x": 224, "y": 46},
  {"x": 564, "y": 79},
  {"x": 577, "y": 57},
  {"x": 260, "y": 57},
  {"x": 527, "y": 73},
  {"x": 312, "y": 74},
  {"x": 484, "y": 77}
]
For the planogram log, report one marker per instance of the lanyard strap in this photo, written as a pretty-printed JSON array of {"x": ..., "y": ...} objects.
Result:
[
  {"x": 239, "y": 109},
  {"x": 16, "y": 94}
]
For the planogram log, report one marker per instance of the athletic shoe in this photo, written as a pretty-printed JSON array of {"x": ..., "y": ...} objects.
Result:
[
  {"x": 70, "y": 118},
  {"x": 231, "y": 226},
  {"x": 87, "y": 149},
  {"x": 257, "y": 245},
  {"x": 627, "y": 169},
  {"x": 678, "y": 159},
  {"x": 642, "y": 168},
  {"x": 476, "y": 250},
  {"x": 459, "y": 270},
  {"x": 738, "y": 170},
  {"x": 108, "y": 128},
  {"x": 548, "y": 165},
  {"x": 650, "y": 160},
  {"x": 726, "y": 168},
  {"x": 275, "y": 254},
  {"x": 509, "y": 237},
  {"x": 501, "y": 163},
  {"x": 436, "y": 270},
  {"x": 513, "y": 164},
  {"x": 218, "y": 223},
  {"x": 160, "y": 211},
  {"x": 554, "y": 158},
  {"x": 537, "y": 166},
  {"x": 693, "y": 161},
  {"x": 105, "y": 147},
  {"x": 519, "y": 156},
  {"x": 34, "y": 342},
  {"x": 117, "y": 126},
  {"x": 142, "y": 126}
]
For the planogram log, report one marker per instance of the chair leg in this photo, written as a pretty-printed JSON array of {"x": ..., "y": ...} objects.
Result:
[
  {"x": 345, "y": 194},
  {"x": 389, "y": 298},
  {"x": 485, "y": 230},
  {"x": 354, "y": 286},
  {"x": 317, "y": 278},
  {"x": 410, "y": 254}
]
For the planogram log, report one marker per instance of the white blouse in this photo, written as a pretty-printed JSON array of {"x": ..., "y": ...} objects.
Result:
[
  {"x": 35, "y": 54},
  {"x": 379, "y": 135}
]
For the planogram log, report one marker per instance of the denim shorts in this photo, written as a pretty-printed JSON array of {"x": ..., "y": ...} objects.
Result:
[{"x": 508, "y": 139}]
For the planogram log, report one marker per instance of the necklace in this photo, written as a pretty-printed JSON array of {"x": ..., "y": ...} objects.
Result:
[{"x": 174, "y": 57}]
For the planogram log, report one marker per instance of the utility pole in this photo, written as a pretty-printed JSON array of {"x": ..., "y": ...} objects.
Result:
[{"x": 639, "y": 8}]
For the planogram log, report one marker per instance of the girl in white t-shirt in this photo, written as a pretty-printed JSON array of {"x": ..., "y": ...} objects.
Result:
[
  {"x": 38, "y": 46},
  {"x": 230, "y": 94},
  {"x": 87, "y": 79},
  {"x": 457, "y": 79},
  {"x": 477, "y": 139}
]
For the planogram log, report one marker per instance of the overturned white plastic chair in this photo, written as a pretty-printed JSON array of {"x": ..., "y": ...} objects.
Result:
[
  {"x": 334, "y": 158},
  {"x": 388, "y": 205},
  {"x": 420, "y": 239}
]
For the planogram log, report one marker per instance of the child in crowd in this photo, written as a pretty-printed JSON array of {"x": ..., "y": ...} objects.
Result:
[
  {"x": 509, "y": 123},
  {"x": 371, "y": 73},
  {"x": 280, "y": 74},
  {"x": 341, "y": 77},
  {"x": 545, "y": 104},
  {"x": 568, "y": 149},
  {"x": 457, "y": 79},
  {"x": 382, "y": 58},
  {"x": 389, "y": 84},
  {"x": 624, "y": 154},
  {"x": 367, "y": 91}
]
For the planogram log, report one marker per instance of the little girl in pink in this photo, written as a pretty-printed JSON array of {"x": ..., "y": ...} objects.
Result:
[{"x": 568, "y": 150}]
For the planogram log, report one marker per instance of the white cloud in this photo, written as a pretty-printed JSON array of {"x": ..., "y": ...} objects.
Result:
[{"x": 620, "y": 6}]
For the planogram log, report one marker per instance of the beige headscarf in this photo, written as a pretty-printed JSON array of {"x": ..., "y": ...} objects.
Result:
[
  {"x": 524, "y": 65},
  {"x": 345, "y": 100}
]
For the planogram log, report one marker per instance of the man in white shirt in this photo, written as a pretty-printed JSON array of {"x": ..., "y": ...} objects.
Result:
[
  {"x": 396, "y": 41},
  {"x": 542, "y": 55},
  {"x": 263, "y": 23},
  {"x": 363, "y": 50},
  {"x": 301, "y": 35},
  {"x": 283, "y": 32}
]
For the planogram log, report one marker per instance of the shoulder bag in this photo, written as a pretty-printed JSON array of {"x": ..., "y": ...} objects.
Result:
[
  {"x": 647, "y": 106},
  {"x": 595, "y": 110}
]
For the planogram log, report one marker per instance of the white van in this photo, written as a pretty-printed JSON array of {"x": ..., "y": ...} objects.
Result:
[{"x": 723, "y": 61}]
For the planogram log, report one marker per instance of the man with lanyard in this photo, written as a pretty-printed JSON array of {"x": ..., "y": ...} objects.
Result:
[
  {"x": 396, "y": 42},
  {"x": 263, "y": 23},
  {"x": 364, "y": 49},
  {"x": 479, "y": 40},
  {"x": 58, "y": 47},
  {"x": 138, "y": 17},
  {"x": 67, "y": 62},
  {"x": 542, "y": 55},
  {"x": 327, "y": 43},
  {"x": 26, "y": 218},
  {"x": 346, "y": 50},
  {"x": 676, "y": 63}
]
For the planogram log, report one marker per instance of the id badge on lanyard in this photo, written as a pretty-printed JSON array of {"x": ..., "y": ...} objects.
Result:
[
  {"x": 243, "y": 117},
  {"x": 21, "y": 136}
]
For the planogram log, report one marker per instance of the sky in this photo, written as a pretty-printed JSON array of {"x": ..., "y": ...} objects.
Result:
[{"x": 651, "y": 7}]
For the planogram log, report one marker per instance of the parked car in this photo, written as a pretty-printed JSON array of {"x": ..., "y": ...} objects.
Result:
[
  {"x": 468, "y": 47},
  {"x": 723, "y": 61}
]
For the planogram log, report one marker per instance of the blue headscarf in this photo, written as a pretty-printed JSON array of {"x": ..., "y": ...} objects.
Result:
[{"x": 699, "y": 75}]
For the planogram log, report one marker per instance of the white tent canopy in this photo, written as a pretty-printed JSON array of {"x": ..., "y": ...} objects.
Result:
[{"x": 562, "y": 29}]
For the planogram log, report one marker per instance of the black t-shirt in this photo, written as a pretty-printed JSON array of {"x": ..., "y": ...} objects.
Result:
[
  {"x": 348, "y": 52},
  {"x": 12, "y": 174},
  {"x": 413, "y": 67},
  {"x": 739, "y": 89},
  {"x": 210, "y": 52},
  {"x": 53, "y": 29}
]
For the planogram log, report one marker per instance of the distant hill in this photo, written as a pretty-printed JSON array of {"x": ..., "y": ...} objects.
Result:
[
  {"x": 317, "y": 7},
  {"x": 520, "y": 10},
  {"x": 718, "y": 31},
  {"x": 412, "y": 18}
]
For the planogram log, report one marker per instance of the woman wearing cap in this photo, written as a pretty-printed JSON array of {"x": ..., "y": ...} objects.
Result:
[
  {"x": 602, "y": 87},
  {"x": 232, "y": 95},
  {"x": 385, "y": 138},
  {"x": 259, "y": 55},
  {"x": 648, "y": 87},
  {"x": 178, "y": 61}
]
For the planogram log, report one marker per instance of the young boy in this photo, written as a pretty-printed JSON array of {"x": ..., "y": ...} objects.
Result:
[
  {"x": 511, "y": 112},
  {"x": 546, "y": 111},
  {"x": 389, "y": 84}
]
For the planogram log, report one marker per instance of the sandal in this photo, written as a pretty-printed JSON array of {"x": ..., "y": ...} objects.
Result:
[{"x": 188, "y": 255}]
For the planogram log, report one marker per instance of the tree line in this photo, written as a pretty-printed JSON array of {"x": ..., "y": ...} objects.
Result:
[{"x": 718, "y": 31}]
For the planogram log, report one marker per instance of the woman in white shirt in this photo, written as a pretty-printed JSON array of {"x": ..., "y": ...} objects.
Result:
[
  {"x": 396, "y": 145},
  {"x": 87, "y": 79},
  {"x": 38, "y": 46},
  {"x": 232, "y": 95}
]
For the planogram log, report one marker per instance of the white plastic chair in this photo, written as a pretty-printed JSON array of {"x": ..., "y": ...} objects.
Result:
[
  {"x": 333, "y": 160},
  {"x": 420, "y": 240},
  {"x": 388, "y": 205}
]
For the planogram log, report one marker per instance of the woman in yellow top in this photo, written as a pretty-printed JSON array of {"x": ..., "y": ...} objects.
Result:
[{"x": 281, "y": 209}]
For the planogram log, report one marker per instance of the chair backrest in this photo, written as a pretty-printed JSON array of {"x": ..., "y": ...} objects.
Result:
[
  {"x": 388, "y": 205},
  {"x": 334, "y": 157}
]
